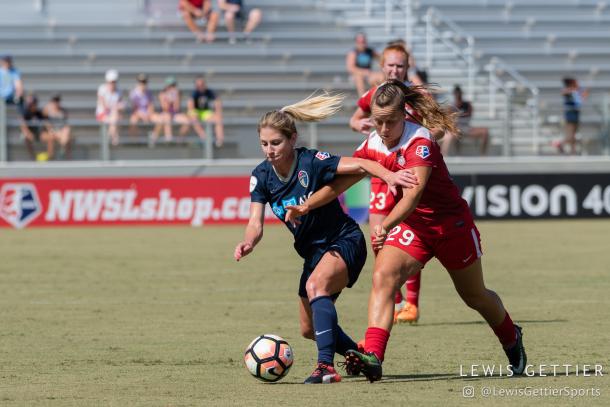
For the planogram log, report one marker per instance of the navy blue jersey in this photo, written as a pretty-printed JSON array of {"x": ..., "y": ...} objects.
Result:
[{"x": 312, "y": 171}]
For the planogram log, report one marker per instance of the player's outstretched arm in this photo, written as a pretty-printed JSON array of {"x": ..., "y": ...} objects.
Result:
[
  {"x": 353, "y": 165},
  {"x": 253, "y": 233}
]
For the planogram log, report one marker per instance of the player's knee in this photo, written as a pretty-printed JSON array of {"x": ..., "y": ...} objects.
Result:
[
  {"x": 385, "y": 279},
  {"x": 314, "y": 288},
  {"x": 475, "y": 301}
]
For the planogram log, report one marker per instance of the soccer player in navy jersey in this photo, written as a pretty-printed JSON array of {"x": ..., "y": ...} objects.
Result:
[{"x": 330, "y": 242}]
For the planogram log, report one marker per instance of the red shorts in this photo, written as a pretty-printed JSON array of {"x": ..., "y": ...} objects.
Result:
[
  {"x": 455, "y": 252},
  {"x": 382, "y": 201}
]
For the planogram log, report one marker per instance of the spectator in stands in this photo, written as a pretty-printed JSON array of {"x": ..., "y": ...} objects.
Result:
[
  {"x": 573, "y": 97},
  {"x": 205, "y": 106},
  {"x": 142, "y": 104},
  {"x": 359, "y": 63},
  {"x": 464, "y": 115},
  {"x": 170, "y": 101},
  {"x": 110, "y": 105},
  {"x": 11, "y": 85},
  {"x": 57, "y": 127},
  {"x": 192, "y": 10},
  {"x": 32, "y": 128},
  {"x": 235, "y": 9}
]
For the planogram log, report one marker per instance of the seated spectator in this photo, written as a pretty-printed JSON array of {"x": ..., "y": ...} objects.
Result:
[
  {"x": 11, "y": 85},
  {"x": 110, "y": 105},
  {"x": 205, "y": 106},
  {"x": 573, "y": 98},
  {"x": 142, "y": 104},
  {"x": 464, "y": 115},
  {"x": 235, "y": 9},
  {"x": 169, "y": 100},
  {"x": 192, "y": 10},
  {"x": 32, "y": 128},
  {"x": 359, "y": 62},
  {"x": 57, "y": 127}
]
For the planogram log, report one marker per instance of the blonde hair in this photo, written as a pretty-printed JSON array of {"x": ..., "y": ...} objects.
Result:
[
  {"x": 395, "y": 94},
  {"x": 311, "y": 109}
]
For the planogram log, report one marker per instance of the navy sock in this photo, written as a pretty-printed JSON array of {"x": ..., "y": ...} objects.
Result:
[
  {"x": 325, "y": 327},
  {"x": 344, "y": 342}
]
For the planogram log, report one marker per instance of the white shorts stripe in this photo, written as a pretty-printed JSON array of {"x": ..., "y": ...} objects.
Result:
[{"x": 476, "y": 242}]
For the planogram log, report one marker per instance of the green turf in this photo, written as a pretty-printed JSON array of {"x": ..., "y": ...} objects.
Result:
[{"x": 161, "y": 316}]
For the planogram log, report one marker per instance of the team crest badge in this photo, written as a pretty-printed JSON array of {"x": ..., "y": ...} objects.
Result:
[
  {"x": 422, "y": 151},
  {"x": 320, "y": 155},
  {"x": 303, "y": 178},
  {"x": 401, "y": 160},
  {"x": 19, "y": 204}
]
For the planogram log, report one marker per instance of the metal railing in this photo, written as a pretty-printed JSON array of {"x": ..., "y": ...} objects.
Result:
[
  {"x": 41, "y": 6},
  {"x": 390, "y": 6},
  {"x": 3, "y": 132},
  {"x": 605, "y": 130},
  {"x": 453, "y": 37},
  {"x": 515, "y": 82}
]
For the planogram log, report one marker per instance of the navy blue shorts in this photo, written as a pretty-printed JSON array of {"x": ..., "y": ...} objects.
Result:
[
  {"x": 572, "y": 116},
  {"x": 351, "y": 247}
]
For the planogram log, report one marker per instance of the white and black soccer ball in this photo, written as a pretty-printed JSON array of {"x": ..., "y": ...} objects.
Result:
[{"x": 268, "y": 358}]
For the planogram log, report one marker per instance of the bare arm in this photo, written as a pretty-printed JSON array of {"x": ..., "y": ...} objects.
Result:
[
  {"x": 350, "y": 62},
  {"x": 254, "y": 231},
  {"x": 361, "y": 122},
  {"x": 409, "y": 201}
]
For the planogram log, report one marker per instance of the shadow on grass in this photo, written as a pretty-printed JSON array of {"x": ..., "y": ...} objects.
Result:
[{"x": 482, "y": 322}]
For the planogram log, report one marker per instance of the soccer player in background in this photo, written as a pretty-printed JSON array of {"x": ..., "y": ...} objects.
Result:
[
  {"x": 330, "y": 242},
  {"x": 394, "y": 65},
  {"x": 429, "y": 220}
]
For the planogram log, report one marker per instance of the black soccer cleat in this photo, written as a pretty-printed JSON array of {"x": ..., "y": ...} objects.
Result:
[
  {"x": 323, "y": 374},
  {"x": 517, "y": 358},
  {"x": 368, "y": 363}
]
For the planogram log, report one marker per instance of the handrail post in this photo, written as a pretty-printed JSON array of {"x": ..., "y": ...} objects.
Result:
[
  {"x": 471, "y": 68},
  {"x": 3, "y": 132},
  {"x": 506, "y": 147},
  {"x": 535, "y": 124},
  {"x": 429, "y": 38},
  {"x": 493, "y": 89},
  {"x": 40, "y": 6},
  {"x": 208, "y": 147},
  {"x": 408, "y": 4},
  {"x": 606, "y": 124},
  {"x": 104, "y": 145},
  {"x": 313, "y": 136},
  {"x": 388, "y": 16}
]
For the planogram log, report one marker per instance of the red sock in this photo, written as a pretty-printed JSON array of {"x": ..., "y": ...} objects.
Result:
[
  {"x": 376, "y": 340},
  {"x": 506, "y": 332},
  {"x": 398, "y": 297},
  {"x": 412, "y": 285}
]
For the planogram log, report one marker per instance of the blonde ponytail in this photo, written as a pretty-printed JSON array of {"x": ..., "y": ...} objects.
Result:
[{"x": 311, "y": 109}]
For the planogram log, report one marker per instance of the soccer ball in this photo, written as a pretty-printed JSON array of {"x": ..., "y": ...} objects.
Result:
[{"x": 268, "y": 358}]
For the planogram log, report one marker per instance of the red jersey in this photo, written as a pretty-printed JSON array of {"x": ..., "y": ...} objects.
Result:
[{"x": 441, "y": 210}]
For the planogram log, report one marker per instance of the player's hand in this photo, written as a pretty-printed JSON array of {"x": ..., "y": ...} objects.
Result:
[
  {"x": 364, "y": 126},
  {"x": 380, "y": 235},
  {"x": 295, "y": 211},
  {"x": 403, "y": 178},
  {"x": 242, "y": 249}
]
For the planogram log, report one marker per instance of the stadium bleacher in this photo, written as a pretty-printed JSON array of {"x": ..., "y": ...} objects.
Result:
[{"x": 300, "y": 47}]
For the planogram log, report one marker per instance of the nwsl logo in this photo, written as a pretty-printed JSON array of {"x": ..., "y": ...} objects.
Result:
[{"x": 19, "y": 204}]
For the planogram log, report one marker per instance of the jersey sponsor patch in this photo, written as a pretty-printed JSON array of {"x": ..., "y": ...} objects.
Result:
[
  {"x": 303, "y": 178},
  {"x": 253, "y": 182},
  {"x": 322, "y": 155},
  {"x": 422, "y": 151}
]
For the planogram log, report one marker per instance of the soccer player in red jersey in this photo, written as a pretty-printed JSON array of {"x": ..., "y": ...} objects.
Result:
[
  {"x": 429, "y": 220},
  {"x": 394, "y": 65}
]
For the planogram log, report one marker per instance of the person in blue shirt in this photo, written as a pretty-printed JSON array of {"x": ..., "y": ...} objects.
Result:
[
  {"x": 330, "y": 242},
  {"x": 11, "y": 85}
]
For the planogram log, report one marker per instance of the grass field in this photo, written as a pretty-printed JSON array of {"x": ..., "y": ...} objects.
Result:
[{"x": 161, "y": 316}]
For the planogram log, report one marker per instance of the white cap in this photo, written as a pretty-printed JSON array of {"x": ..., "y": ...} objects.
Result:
[{"x": 112, "y": 75}]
